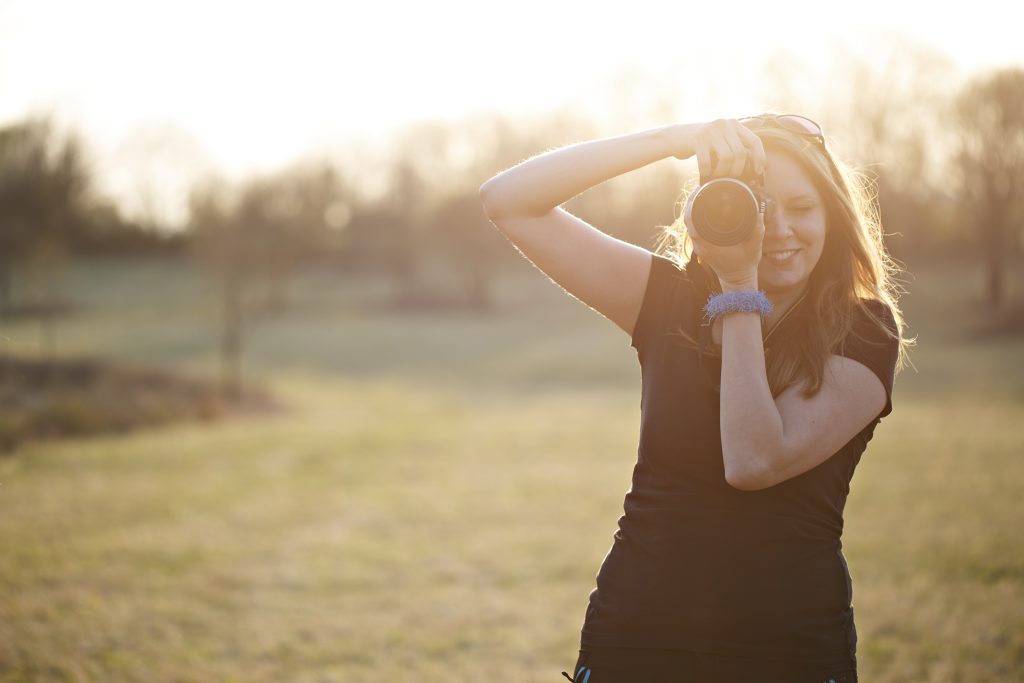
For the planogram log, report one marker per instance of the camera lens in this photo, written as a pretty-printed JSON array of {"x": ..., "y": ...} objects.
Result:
[{"x": 724, "y": 211}]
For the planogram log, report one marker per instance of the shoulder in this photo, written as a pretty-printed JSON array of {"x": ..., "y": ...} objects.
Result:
[
  {"x": 879, "y": 309},
  {"x": 669, "y": 265},
  {"x": 669, "y": 275},
  {"x": 873, "y": 322},
  {"x": 671, "y": 290}
]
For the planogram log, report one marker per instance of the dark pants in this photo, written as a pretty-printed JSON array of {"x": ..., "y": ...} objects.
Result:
[{"x": 641, "y": 665}]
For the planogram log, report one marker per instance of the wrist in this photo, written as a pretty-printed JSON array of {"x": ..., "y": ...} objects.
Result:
[
  {"x": 679, "y": 138},
  {"x": 737, "y": 302}
]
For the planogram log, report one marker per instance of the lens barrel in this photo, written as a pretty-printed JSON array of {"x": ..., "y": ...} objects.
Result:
[{"x": 724, "y": 211}]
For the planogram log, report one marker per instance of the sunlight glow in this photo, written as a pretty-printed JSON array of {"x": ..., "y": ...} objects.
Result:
[{"x": 249, "y": 86}]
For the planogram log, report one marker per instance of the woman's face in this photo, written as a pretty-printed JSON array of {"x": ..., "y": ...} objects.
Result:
[{"x": 795, "y": 220}]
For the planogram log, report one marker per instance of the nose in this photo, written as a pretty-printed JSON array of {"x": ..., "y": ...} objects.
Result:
[{"x": 775, "y": 222}]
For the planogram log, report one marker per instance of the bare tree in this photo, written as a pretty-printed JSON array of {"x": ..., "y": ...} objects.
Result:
[
  {"x": 45, "y": 204},
  {"x": 427, "y": 161},
  {"x": 220, "y": 244},
  {"x": 257, "y": 234},
  {"x": 990, "y": 112},
  {"x": 473, "y": 248},
  {"x": 884, "y": 112}
]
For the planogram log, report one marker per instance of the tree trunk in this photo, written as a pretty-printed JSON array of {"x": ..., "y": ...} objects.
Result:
[
  {"x": 231, "y": 341},
  {"x": 6, "y": 288},
  {"x": 408, "y": 291},
  {"x": 48, "y": 334},
  {"x": 995, "y": 276},
  {"x": 994, "y": 257}
]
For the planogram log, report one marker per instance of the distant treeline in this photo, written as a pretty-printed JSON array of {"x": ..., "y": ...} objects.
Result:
[{"x": 947, "y": 166}]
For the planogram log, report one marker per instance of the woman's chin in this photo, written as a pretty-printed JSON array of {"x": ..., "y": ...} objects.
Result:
[{"x": 781, "y": 282}]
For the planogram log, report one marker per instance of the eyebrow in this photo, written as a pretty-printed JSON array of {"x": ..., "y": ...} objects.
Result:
[{"x": 802, "y": 197}]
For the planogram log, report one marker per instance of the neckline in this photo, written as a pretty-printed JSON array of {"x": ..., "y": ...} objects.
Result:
[{"x": 785, "y": 315}]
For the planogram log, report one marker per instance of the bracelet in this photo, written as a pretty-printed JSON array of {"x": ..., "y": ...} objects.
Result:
[{"x": 733, "y": 302}]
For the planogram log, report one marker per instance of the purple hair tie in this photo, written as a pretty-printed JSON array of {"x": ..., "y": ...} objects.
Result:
[{"x": 731, "y": 302}]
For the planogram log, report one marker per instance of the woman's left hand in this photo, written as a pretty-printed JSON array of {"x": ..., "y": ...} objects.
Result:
[{"x": 735, "y": 265}]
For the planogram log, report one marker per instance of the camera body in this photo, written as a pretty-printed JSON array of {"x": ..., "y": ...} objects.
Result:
[{"x": 724, "y": 210}]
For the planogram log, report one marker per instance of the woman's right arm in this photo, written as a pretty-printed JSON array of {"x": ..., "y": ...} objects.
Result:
[{"x": 606, "y": 273}]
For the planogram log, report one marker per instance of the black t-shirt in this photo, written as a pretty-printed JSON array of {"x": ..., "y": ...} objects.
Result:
[{"x": 697, "y": 564}]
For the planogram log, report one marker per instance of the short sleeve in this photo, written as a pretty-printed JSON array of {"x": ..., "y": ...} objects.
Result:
[
  {"x": 661, "y": 299},
  {"x": 874, "y": 349}
]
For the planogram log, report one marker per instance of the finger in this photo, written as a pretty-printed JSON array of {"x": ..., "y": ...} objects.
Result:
[
  {"x": 704, "y": 165},
  {"x": 724, "y": 152},
  {"x": 720, "y": 152},
  {"x": 755, "y": 149},
  {"x": 740, "y": 155}
]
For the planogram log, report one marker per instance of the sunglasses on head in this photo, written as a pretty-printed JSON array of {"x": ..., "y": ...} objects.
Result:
[{"x": 801, "y": 125}]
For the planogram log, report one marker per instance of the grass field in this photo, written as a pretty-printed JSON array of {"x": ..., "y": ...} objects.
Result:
[{"x": 437, "y": 502}]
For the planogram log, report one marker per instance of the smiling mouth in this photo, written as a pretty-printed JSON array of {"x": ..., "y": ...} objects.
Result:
[{"x": 782, "y": 257}]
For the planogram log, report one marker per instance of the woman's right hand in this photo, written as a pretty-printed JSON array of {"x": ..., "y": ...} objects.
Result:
[{"x": 724, "y": 148}]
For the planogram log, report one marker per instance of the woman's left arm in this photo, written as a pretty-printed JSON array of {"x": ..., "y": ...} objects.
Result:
[{"x": 766, "y": 441}]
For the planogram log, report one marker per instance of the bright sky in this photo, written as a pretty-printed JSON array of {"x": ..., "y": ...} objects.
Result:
[{"x": 162, "y": 90}]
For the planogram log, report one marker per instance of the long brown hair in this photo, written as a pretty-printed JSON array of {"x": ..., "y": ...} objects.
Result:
[{"x": 853, "y": 270}]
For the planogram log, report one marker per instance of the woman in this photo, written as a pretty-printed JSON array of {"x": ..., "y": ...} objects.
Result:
[{"x": 765, "y": 367}]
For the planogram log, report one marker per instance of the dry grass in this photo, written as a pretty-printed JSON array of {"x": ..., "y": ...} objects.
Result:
[
  {"x": 81, "y": 397},
  {"x": 438, "y": 514}
]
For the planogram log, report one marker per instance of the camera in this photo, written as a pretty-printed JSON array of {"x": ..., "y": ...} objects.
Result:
[{"x": 724, "y": 210}]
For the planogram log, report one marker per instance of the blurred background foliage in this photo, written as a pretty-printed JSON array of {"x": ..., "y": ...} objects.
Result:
[
  {"x": 946, "y": 163},
  {"x": 947, "y": 167}
]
